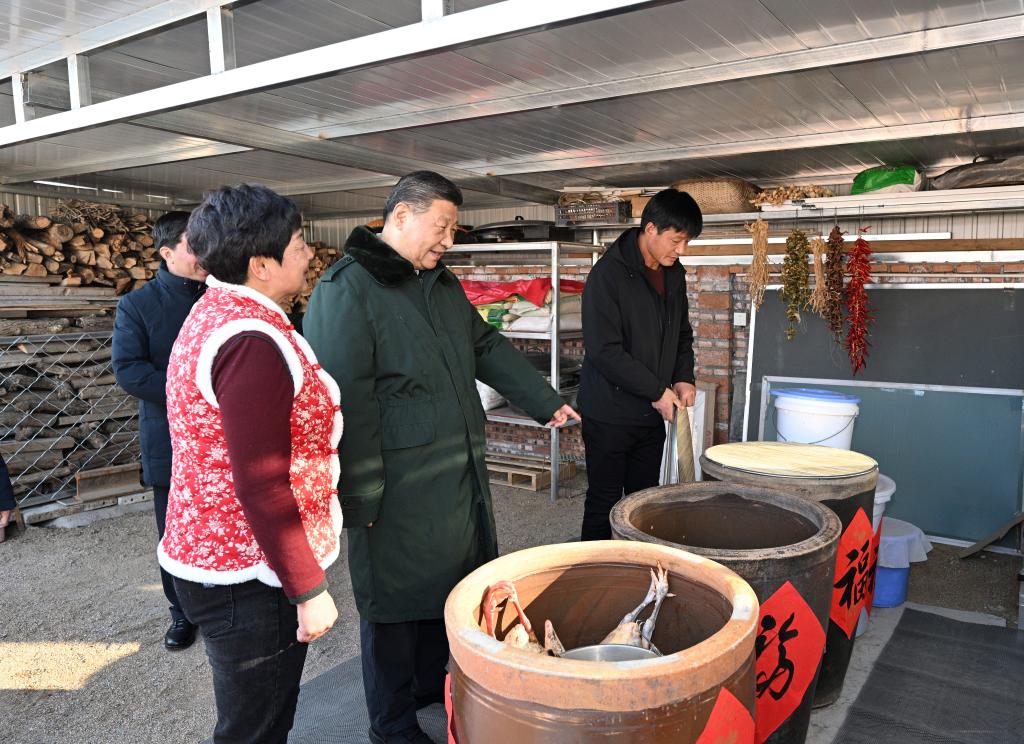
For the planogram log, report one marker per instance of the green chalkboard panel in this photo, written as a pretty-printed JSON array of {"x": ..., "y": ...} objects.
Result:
[
  {"x": 957, "y": 456},
  {"x": 956, "y": 336},
  {"x": 964, "y": 337}
]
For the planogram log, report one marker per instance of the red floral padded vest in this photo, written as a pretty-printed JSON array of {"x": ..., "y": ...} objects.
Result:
[{"x": 207, "y": 537}]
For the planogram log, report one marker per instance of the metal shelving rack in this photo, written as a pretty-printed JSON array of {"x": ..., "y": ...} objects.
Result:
[{"x": 558, "y": 254}]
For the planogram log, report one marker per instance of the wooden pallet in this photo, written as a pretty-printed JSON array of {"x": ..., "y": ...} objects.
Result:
[{"x": 528, "y": 473}]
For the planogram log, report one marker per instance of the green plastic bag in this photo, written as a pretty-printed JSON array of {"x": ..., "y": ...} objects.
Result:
[{"x": 887, "y": 178}]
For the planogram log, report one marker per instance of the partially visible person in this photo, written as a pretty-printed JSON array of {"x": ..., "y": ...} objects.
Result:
[
  {"x": 639, "y": 360},
  {"x": 145, "y": 326},
  {"x": 253, "y": 516},
  {"x": 7, "y": 502}
]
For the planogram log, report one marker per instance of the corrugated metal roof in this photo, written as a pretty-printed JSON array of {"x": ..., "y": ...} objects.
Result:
[
  {"x": 624, "y": 140},
  {"x": 33, "y": 23},
  {"x": 921, "y": 88}
]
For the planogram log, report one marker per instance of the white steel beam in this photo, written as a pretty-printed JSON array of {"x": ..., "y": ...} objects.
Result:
[
  {"x": 220, "y": 32},
  {"x": 159, "y": 14},
  {"x": 79, "y": 85},
  {"x": 488, "y": 23},
  {"x": 330, "y": 187},
  {"x": 867, "y": 50},
  {"x": 91, "y": 193},
  {"x": 88, "y": 165}
]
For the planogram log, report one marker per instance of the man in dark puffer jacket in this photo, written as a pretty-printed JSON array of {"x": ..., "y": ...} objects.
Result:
[
  {"x": 145, "y": 327},
  {"x": 639, "y": 354}
]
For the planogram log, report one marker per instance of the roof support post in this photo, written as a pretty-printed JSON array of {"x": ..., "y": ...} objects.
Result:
[
  {"x": 23, "y": 110},
  {"x": 220, "y": 32},
  {"x": 79, "y": 85},
  {"x": 434, "y": 9}
]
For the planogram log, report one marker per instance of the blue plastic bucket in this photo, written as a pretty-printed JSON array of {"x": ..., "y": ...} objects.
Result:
[{"x": 891, "y": 586}]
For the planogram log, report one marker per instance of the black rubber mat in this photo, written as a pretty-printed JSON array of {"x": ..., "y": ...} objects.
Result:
[
  {"x": 332, "y": 710},
  {"x": 942, "y": 681}
]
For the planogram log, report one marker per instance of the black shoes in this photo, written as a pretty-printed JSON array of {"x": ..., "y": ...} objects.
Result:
[
  {"x": 412, "y": 735},
  {"x": 180, "y": 635}
]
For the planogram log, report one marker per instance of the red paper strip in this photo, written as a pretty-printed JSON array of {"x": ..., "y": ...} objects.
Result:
[
  {"x": 452, "y": 739},
  {"x": 789, "y": 646},
  {"x": 855, "y": 573},
  {"x": 876, "y": 544},
  {"x": 730, "y": 722}
]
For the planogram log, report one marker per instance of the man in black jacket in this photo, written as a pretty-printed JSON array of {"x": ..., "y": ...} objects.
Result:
[
  {"x": 146, "y": 324},
  {"x": 639, "y": 354}
]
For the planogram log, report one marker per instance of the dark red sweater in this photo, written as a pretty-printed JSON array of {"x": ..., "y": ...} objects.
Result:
[
  {"x": 254, "y": 390},
  {"x": 657, "y": 279}
]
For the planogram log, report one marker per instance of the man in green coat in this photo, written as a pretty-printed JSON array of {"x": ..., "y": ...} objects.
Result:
[{"x": 393, "y": 326}]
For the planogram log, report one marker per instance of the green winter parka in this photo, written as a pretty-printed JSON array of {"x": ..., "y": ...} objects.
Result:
[{"x": 406, "y": 349}]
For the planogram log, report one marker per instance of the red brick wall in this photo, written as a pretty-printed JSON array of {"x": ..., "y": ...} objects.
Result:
[
  {"x": 710, "y": 292},
  {"x": 716, "y": 292}
]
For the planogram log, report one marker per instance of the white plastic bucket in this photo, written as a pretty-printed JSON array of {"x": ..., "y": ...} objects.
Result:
[
  {"x": 810, "y": 416},
  {"x": 884, "y": 490}
]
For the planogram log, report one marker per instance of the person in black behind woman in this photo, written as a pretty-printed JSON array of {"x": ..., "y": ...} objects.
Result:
[
  {"x": 639, "y": 354},
  {"x": 7, "y": 502},
  {"x": 145, "y": 327}
]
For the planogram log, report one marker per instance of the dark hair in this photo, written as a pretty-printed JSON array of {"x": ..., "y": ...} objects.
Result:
[
  {"x": 168, "y": 229},
  {"x": 675, "y": 209},
  {"x": 419, "y": 190},
  {"x": 236, "y": 223}
]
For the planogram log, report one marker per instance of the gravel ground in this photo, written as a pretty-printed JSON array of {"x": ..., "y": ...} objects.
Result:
[{"x": 82, "y": 619}]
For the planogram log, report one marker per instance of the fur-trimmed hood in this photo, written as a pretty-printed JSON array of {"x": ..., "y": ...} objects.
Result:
[{"x": 383, "y": 262}]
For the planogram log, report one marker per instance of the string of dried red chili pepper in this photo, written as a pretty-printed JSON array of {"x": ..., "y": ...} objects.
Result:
[{"x": 858, "y": 308}]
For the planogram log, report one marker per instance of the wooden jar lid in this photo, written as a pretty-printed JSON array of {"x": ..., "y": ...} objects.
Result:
[{"x": 790, "y": 460}]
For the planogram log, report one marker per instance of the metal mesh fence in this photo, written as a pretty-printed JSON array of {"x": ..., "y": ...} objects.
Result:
[{"x": 61, "y": 412}]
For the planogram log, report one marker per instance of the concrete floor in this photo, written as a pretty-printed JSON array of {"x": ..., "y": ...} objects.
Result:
[{"x": 82, "y": 618}]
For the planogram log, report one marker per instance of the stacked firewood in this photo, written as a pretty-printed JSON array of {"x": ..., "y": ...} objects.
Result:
[
  {"x": 82, "y": 243},
  {"x": 323, "y": 257},
  {"x": 61, "y": 410}
]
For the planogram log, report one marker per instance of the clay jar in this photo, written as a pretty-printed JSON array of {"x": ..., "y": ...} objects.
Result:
[
  {"x": 706, "y": 633},
  {"x": 841, "y": 480},
  {"x": 785, "y": 547}
]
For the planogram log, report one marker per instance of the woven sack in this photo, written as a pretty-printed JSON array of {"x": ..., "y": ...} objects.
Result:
[{"x": 719, "y": 195}]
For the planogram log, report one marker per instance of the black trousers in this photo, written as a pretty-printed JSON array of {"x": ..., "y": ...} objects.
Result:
[
  {"x": 403, "y": 670},
  {"x": 160, "y": 511},
  {"x": 620, "y": 460},
  {"x": 249, "y": 634}
]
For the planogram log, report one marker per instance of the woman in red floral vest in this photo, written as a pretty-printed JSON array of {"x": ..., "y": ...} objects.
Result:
[{"x": 253, "y": 516}]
